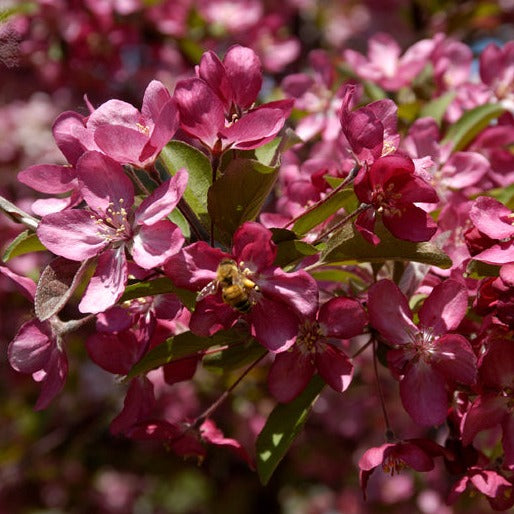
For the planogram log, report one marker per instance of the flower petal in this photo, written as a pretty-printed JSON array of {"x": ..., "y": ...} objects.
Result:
[
  {"x": 162, "y": 200},
  {"x": 335, "y": 367},
  {"x": 154, "y": 244},
  {"x": 108, "y": 282},
  {"x": 289, "y": 374},
  {"x": 389, "y": 312}
]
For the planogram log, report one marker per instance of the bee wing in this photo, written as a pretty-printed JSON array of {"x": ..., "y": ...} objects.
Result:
[{"x": 209, "y": 289}]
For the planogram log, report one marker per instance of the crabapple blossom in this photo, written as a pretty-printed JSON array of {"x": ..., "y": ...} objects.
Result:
[
  {"x": 426, "y": 358},
  {"x": 111, "y": 226},
  {"x": 314, "y": 350},
  {"x": 384, "y": 66},
  {"x": 391, "y": 188},
  {"x": 216, "y": 108},
  {"x": 277, "y": 300}
]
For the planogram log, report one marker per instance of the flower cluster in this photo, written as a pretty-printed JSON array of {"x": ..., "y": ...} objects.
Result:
[{"x": 198, "y": 233}]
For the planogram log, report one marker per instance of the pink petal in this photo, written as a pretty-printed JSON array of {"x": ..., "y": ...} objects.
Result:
[
  {"x": 365, "y": 225},
  {"x": 213, "y": 72},
  {"x": 71, "y": 135},
  {"x": 342, "y": 318},
  {"x": 162, "y": 200},
  {"x": 138, "y": 406},
  {"x": 201, "y": 111},
  {"x": 71, "y": 234},
  {"x": 194, "y": 266},
  {"x": 253, "y": 246},
  {"x": 25, "y": 285},
  {"x": 274, "y": 324},
  {"x": 492, "y": 218},
  {"x": 114, "y": 112},
  {"x": 289, "y": 374},
  {"x": 212, "y": 434},
  {"x": 211, "y": 315},
  {"x": 105, "y": 184},
  {"x": 464, "y": 169},
  {"x": 116, "y": 353},
  {"x": 49, "y": 178},
  {"x": 166, "y": 124},
  {"x": 156, "y": 97},
  {"x": 53, "y": 380},
  {"x": 122, "y": 144},
  {"x": 423, "y": 394},
  {"x": 154, "y": 244},
  {"x": 487, "y": 411},
  {"x": 445, "y": 307},
  {"x": 414, "y": 224},
  {"x": 298, "y": 290},
  {"x": 108, "y": 282},
  {"x": 389, "y": 312},
  {"x": 244, "y": 73},
  {"x": 31, "y": 348},
  {"x": 454, "y": 358},
  {"x": 257, "y": 127},
  {"x": 335, "y": 367}
]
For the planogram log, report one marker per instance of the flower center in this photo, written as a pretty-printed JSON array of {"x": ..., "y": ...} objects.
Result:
[{"x": 309, "y": 336}]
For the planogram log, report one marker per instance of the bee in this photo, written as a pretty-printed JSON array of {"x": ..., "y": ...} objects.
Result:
[{"x": 234, "y": 284}]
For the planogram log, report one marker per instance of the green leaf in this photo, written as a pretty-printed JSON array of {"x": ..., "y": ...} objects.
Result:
[
  {"x": 242, "y": 349},
  {"x": 183, "y": 345},
  {"x": 478, "y": 269},
  {"x": 26, "y": 242},
  {"x": 289, "y": 247},
  {"x": 319, "y": 214},
  {"x": 282, "y": 427},
  {"x": 176, "y": 155},
  {"x": 505, "y": 195},
  {"x": 267, "y": 153},
  {"x": 160, "y": 285},
  {"x": 348, "y": 244},
  {"x": 437, "y": 107},
  {"x": 238, "y": 195},
  {"x": 471, "y": 124}
]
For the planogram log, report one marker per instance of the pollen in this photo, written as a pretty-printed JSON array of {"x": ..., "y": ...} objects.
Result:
[
  {"x": 144, "y": 129},
  {"x": 393, "y": 465}
]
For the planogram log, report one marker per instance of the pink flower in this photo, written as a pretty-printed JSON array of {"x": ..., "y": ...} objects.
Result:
[
  {"x": 426, "y": 358},
  {"x": 111, "y": 226},
  {"x": 273, "y": 300},
  {"x": 497, "y": 68},
  {"x": 391, "y": 188},
  {"x": 339, "y": 318},
  {"x": 216, "y": 108},
  {"x": 496, "y": 488},
  {"x": 370, "y": 130},
  {"x": 132, "y": 137},
  {"x": 417, "y": 454},
  {"x": 314, "y": 94},
  {"x": 384, "y": 66},
  {"x": 493, "y": 406},
  {"x": 37, "y": 348},
  {"x": 494, "y": 220}
]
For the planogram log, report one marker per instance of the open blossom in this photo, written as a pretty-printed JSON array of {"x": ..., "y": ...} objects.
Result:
[
  {"x": 384, "y": 66},
  {"x": 111, "y": 225},
  {"x": 314, "y": 350},
  {"x": 426, "y": 358},
  {"x": 217, "y": 106},
  {"x": 417, "y": 454},
  {"x": 314, "y": 94},
  {"x": 275, "y": 300},
  {"x": 390, "y": 188}
]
